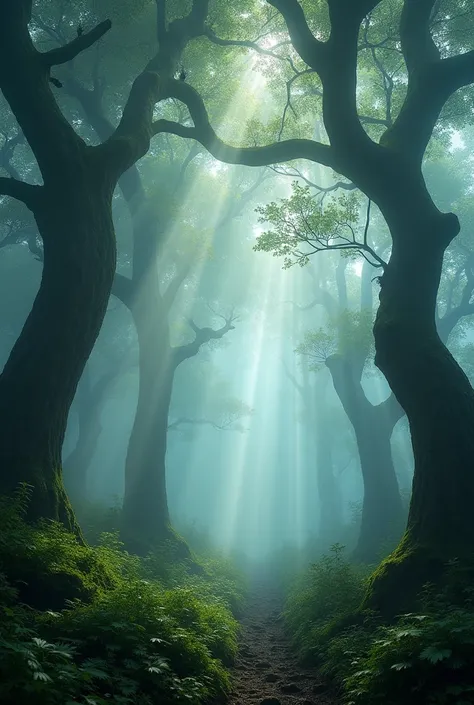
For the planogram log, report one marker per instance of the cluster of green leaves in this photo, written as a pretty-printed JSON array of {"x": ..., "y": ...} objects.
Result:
[
  {"x": 301, "y": 225},
  {"x": 127, "y": 638},
  {"x": 424, "y": 657},
  {"x": 349, "y": 333},
  {"x": 330, "y": 591}
]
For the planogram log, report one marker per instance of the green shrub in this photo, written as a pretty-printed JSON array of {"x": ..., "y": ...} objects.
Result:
[
  {"x": 46, "y": 564},
  {"x": 330, "y": 592},
  {"x": 117, "y": 634},
  {"x": 424, "y": 658}
]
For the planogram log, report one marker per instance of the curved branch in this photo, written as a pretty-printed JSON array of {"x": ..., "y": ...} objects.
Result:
[
  {"x": 68, "y": 52},
  {"x": 122, "y": 289},
  {"x": 243, "y": 43},
  {"x": 203, "y": 336},
  {"x": 203, "y": 132}
]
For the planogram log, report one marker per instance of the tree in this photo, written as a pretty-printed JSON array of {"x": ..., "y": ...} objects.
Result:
[
  {"x": 306, "y": 224},
  {"x": 430, "y": 386},
  {"x": 318, "y": 424},
  {"x": 76, "y": 197}
]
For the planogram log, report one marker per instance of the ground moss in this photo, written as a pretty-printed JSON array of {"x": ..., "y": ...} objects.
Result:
[{"x": 103, "y": 625}]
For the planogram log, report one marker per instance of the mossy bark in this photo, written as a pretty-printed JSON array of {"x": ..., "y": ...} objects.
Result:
[
  {"x": 73, "y": 213},
  {"x": 39, "y": 380},
  {"x": 439, "y": 403}
]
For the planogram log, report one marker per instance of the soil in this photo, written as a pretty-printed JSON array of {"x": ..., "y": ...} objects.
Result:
[{"x": 267, "y": 671}]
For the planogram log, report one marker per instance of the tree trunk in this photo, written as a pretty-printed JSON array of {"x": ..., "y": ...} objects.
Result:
[
  {"x": 39, "y": 380},
  {"x": 145, "y": 515},
  {"x": 330, "y": 499},
  {"x": 382, "y": 509},
  {"x": 90, "y": 401},
  {"x": 439, "y": 402}
]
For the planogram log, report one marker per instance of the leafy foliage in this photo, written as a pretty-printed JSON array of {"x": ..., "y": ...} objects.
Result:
[
  {"x": 300, "y": 226},
  {"x": 330, "y": 591},
  {"x": 425, "y": 658},
  {"x": 128, "y": 638}
]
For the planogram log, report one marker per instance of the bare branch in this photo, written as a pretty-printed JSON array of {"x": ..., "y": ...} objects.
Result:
[
  {"x": 61, "y": 55},
  {"x": 122, "y": 288},
  {"x": 203, "y": 336},
  {"x": 431, "y": 81},
  {"x": 248, "y": 44},
  {"x": 418, "y": 46},
  {"x": 27, "y": 193},
  {"x": 294, "y": 172},
  {"x": 311, "y": 50},
  {"x": 391, "y": 410},
  {"x": 183, "y": 420}
]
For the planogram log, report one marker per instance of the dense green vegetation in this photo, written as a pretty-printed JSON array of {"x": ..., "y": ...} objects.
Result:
[
  {"x": 94, "y": 625},
  {"x": 426, "y": 656}
]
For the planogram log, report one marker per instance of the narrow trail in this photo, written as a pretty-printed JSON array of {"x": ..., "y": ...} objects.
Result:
[{"x": 267, "y": 670}]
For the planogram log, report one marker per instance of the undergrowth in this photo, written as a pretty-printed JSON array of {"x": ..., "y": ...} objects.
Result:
[
  {"x": 105, "y": 628},
  {"x": 422, "y": 658}
]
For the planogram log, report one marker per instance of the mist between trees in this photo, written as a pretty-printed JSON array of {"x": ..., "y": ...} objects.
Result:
[{"x": 237, "y": 257}]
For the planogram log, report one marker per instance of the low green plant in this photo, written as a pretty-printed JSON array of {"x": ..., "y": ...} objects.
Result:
[
  {"x": 423, "y": 658},
  {"x": 125, "y": 637},
  {"x": 327, "y": 594}
]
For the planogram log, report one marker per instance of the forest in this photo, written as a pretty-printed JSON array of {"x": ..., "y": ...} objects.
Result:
[{"x": 237, "y": 352}]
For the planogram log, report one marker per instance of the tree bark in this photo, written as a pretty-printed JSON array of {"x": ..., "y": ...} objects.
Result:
[
  {"x": 439, "y": 403},
  {"x": 145, "y": 514},
  {"x": 382, "y": 509},
  {"x": 39, "y": 380}
]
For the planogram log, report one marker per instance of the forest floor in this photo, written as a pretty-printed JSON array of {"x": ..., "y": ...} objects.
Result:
[{"x": 267, "y": 670}]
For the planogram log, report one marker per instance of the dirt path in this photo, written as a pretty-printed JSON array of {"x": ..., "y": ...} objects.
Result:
[{"x": 267, "y": 671}]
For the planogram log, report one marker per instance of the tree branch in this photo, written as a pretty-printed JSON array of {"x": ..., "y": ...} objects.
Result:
[
  {"x": 418, "y": 47},
  {"x": 27, "y": 193},
  {"x": 122, "y": 288},
  {"x": 203, "y": 336},
  {"x": 68, "y": 52},
  {"x": 431, "y": 81},
  {"x": 202, "y": 132},
  {"x": 310, "y": 49},
  {"x": 183, "y": 420},
  {"x": 392, "y": 410}
]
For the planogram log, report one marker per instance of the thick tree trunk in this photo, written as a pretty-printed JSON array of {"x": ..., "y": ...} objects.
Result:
[
  {"x": 145, "y": 516},
  {"x": 39, "y": 380},
  {"x": 382, "y": 509},
  {"x": 439, "y": 402}
]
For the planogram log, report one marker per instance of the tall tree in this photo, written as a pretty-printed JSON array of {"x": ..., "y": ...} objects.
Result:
[
  {"x": 428, "y": 383},
  {"x": 72, "y": 209}
]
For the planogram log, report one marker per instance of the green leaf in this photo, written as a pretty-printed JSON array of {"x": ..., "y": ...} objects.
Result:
[{"x": 434, "y": 655}]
